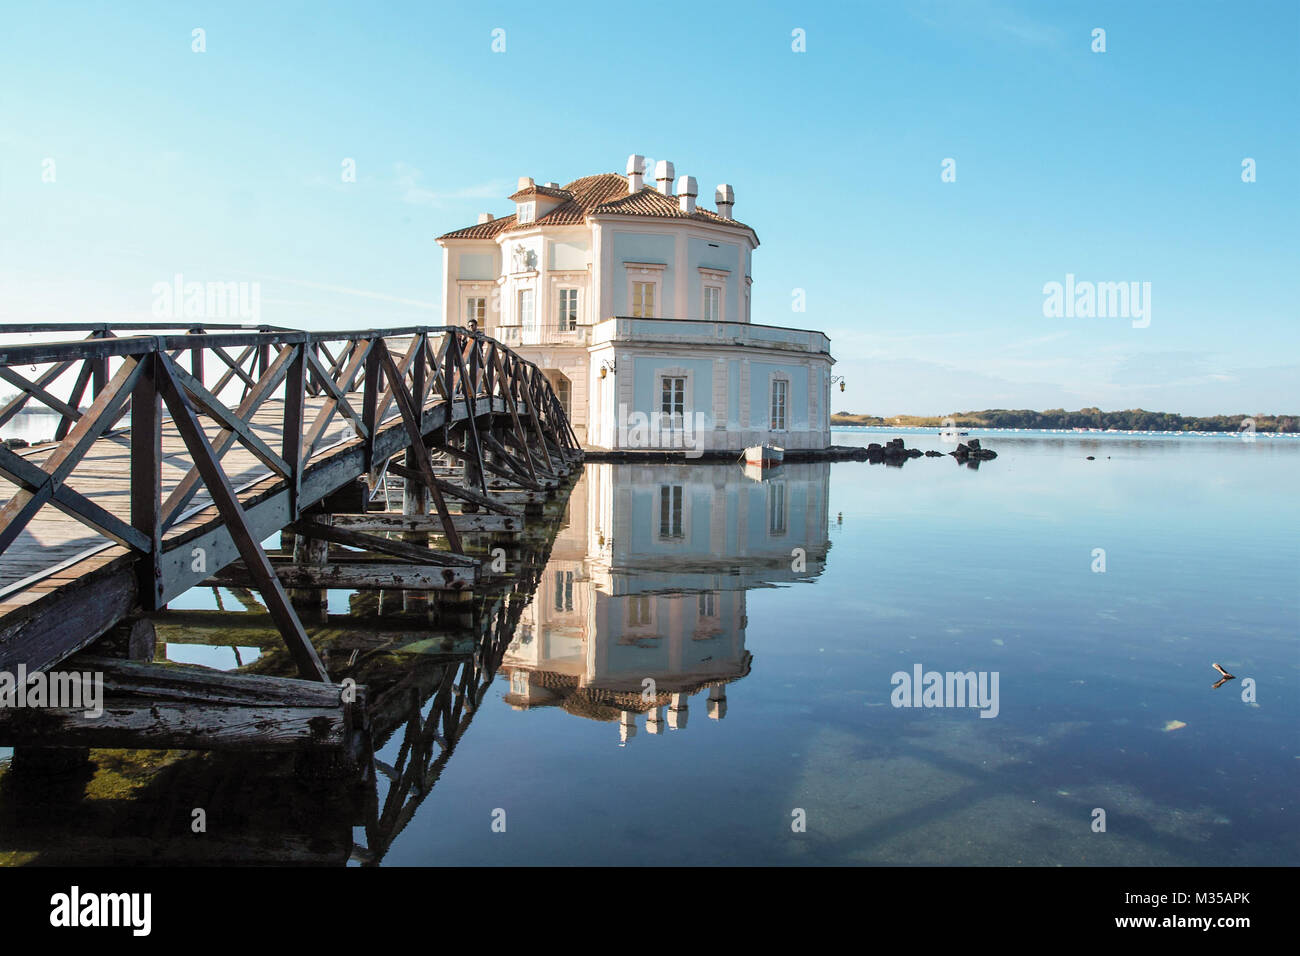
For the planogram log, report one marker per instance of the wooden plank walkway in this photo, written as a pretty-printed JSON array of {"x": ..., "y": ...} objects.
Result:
[
  {"x": 58, "y": 556},
  {"x": 104, "y": 476}
]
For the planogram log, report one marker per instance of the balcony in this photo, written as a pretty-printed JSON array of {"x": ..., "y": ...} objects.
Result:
[
  {"x": 624, "y": 328},
  {"x": 550, "y": 334}
]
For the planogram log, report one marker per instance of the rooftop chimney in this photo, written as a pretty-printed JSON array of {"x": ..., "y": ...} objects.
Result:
[
  {"x": 525, "y": 182},
  {"x": 635, "y": 172},
  {"x": 484, "y": 217},
  {"x": 552, "y": 185},
  {"x": 724, "y": 198},
  {"x": 687, "y": 190},
  {"x": 664, "y": 177}
]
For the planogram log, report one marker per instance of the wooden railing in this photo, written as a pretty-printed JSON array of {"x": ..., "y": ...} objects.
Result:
[{"x": 382, "y": 386}]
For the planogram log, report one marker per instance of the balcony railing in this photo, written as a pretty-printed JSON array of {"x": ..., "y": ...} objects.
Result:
[
  {"x": 547, "y": 334},
  {"x": 622, "y": 328}
]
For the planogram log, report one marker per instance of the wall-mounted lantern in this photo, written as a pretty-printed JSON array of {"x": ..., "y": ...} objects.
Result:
[
  {"x": 838, "y": 378},
  {"x": 607, "y": 368}
]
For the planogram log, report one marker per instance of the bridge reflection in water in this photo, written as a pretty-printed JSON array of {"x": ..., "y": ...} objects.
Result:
[{"x": 625, "y": 603}]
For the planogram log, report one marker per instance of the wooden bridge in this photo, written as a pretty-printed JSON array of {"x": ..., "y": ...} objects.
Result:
[
  {"x": 427, "y": 660},
  {"x": 201, "y": 443}
]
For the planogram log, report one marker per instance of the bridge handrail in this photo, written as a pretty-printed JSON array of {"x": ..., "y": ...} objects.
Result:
[{"x": 354, "y": 374}]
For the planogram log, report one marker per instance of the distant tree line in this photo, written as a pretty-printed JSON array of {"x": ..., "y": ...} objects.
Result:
[{"x": 1132, "y": 419}]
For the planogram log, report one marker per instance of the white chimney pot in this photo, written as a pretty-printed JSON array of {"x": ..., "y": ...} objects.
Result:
[
  {"x": 635, "y": 172},
  {"x": 687, "y": 190},
  {"x": 664, "y": 173},
  {"x": 525, "y": 182},
  {"x": 724, "y": 197},
  {"x": 484, "y": 217}
]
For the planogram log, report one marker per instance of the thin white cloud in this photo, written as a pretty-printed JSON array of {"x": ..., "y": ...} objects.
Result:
[
  {"x": 408, "y": 180},
  {"x": 344, "y": 290}
]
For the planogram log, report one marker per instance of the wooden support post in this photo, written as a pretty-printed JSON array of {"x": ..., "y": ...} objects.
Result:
[
  {"x": 232, "y": 513},
  {"x": 315, "y": 552},
  {"x": 411, "y": 420},
  {"x": 295, "y": 385},
  {"x": 146, "y": 478},
  {"x": 415, "y": 496}
]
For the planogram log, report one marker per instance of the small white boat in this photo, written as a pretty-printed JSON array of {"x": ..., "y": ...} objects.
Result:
[{"x": 764, "y": 456}]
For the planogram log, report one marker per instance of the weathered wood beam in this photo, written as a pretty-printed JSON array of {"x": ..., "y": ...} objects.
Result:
[
  {"x": 411, "y": 422},
  {"x": 232, "y": 513},
  {"x": 367, "y": 575},
  {"x": 44, "y": 631},
  {"x": 181, "y": 682},
  {"x": 174, "y": 725},
  {"x": 455, "y": 490},
  {"x": 326, "y": 531},
  {"x": 430, "y": 524}
]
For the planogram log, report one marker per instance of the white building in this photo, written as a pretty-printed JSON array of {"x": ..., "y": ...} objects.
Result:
[{"x": 636, "y": 302}]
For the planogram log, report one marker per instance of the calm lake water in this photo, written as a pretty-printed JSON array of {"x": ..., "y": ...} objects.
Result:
[
  {"x": 771, "y": 616},
  {"x": 932, "y": 564}
]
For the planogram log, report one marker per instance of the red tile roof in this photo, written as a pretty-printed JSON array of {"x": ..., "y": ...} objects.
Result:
[
  {"x": 603, "y": 194},
  {"x": 532, "y": 191},
  {"x": 484, "y": 230}
]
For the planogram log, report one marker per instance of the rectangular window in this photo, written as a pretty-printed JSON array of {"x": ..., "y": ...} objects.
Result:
[
  {"x": 643, "y": 300},
  {"x": 776, "y": 508},
  {"x": 526, "y": 313},
  {"x": 672, "y": 396},
  {"x": 563, "y": 389},
  {"x": 780, "y": 389},
  {"x": 712, "y": 303},
  {"x": 564, "y": 590},
  {"x": 708, "y": 604},
  {"x": 527, "y": 210},
  {"x": 670, "y": 511},
  {"x": 568, "y": 310},
  {"x": 638, "y": 611},
  {"x": 476, "y": 309}
]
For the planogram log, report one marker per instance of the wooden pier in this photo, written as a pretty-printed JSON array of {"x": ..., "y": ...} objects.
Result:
[{"x": 200, "y": 444}]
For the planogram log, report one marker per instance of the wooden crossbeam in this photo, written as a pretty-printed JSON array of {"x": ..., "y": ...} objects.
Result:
[
  {"x": 456, "y": 491},
  {"x": 41, "y": 490},
  {"x": 336, "y": 401},
  {"x": 37, "y": 392},
  {"x": 39, "y": 485},
  {"x": 411, "y": 421},
  {"x": 189, "y": 485},
  {"x": 232, "y": 513},
  {"x": 325, "y": 531},
  {"x": 229, "y": 421},
  {"x": 19, "y": 401},
  {"x": 381, "y": 522},
  {"x": 236, "y": 367},
  {"x": 362, "y": 575}
]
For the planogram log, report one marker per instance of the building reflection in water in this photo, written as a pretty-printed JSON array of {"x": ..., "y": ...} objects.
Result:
[{"x": 641, "y": 609}]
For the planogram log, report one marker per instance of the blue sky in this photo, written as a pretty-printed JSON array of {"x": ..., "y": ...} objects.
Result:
[{"x": 1116, "y": 166}]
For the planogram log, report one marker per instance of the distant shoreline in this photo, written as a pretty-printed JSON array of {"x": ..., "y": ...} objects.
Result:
[{"x": 1086, "y": 420}]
